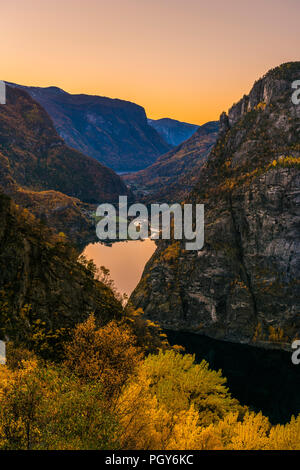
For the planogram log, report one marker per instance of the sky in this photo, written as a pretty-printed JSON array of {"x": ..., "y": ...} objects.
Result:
[{"x": 184, "y": 59}]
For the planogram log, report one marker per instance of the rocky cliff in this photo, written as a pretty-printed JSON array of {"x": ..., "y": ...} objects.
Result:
[
  {"x": 114, "y": 132},
  {"x": 243, "y": 286}
]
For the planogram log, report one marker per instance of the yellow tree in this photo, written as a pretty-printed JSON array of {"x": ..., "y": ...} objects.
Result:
[{"x": 107, "y": 354}]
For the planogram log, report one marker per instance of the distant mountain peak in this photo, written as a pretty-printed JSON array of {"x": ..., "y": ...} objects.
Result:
[{"x": 172, "y": 131}]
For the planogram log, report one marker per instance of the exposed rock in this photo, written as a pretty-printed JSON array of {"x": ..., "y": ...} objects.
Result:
[{"x": 244, "y": 285}]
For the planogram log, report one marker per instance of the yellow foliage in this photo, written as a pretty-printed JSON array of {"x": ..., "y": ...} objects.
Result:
[
  {"x": 276, "y": 335},
  {"x": 261, "y": 106},
  {"x": 179, "y": 383},
  {"x": 172, "y": 252},
  {"x": 107, "y": 354},
  {"x": 106, "y": 396},
  {"x": 285, "y": 437}
]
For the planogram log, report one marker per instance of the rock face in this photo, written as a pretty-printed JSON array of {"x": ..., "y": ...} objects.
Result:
[
  {"x": 172, "y": 131},
  {"x": 174, "y": 174},
  {"x": 39, "y": 269},
  {"x": 114, "y": 132},
  {"x": 244, "y": 285}
]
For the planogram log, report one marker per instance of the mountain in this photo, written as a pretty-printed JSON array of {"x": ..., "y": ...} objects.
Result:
[
  {"x": 42, "y": 173},
  {"x": 243, "y": 286},
  {"x": 114, "y": 132},
  {"x": 175, "y": 173},
  {"x": 43, "y": 288},
  {"x": 172, "y": 131}
]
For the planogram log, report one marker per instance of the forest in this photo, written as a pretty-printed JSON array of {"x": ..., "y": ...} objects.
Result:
[{"x": 121, "y": 386}]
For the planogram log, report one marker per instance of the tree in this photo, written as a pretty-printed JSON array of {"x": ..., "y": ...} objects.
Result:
[
  {"x": 44, "y": 407},
  {"x": 107, "y": 354},
  {"x": 178, "y": 382}
]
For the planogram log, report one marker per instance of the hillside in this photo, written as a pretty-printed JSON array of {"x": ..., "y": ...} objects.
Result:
[
  {"x": 172, "y": 131},
  {"x": 244, "y": 284},
  {"x": 173, "y": 175},
  {"x": 42, "y": 174},
  {"x": 42, "y": 286},
  {"x": 36, "y": 158},
  {"x": 114, "y": 132}
]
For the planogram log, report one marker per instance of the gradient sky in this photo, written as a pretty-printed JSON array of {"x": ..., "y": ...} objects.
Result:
[{"x": 184, "y": 59}]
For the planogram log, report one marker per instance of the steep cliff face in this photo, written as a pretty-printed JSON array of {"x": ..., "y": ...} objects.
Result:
[
  {"x": 244, "y": 285},
  {"x": 41, "y": 280},
  {"x": 114, "y": 132},
  {"x": 173, "y": 175}
]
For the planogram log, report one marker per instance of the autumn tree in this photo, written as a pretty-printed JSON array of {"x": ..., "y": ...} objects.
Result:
[
  {"x": 43, "y": 407},
  {"x": 149, "y": 335},
  {"x": 107, "y": 354},
  {"x": 179, "y": 382}
]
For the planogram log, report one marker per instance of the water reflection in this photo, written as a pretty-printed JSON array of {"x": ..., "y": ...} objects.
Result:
[{"x": 125, "y": 260}]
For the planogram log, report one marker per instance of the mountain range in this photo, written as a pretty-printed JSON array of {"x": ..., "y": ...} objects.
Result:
[
  {"x": 43, "y": 174},
  {"x": 243, "y": 286},
  {"x": 112, "y": 131}
]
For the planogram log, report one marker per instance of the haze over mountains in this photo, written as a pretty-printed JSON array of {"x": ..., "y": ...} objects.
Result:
[{"x": 113, "y": 131}]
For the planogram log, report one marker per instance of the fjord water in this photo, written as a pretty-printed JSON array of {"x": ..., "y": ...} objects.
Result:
[
  {"x": 125, "y": 260},
  {"x": 263, "y": 379}
]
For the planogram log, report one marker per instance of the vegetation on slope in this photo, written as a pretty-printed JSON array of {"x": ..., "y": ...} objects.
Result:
[
  {"x": 106, "y": 394},
  {"x": 114, "y": 132},
  {"x": 174, "y": 174},
  {"x": 58, "y": 184}
]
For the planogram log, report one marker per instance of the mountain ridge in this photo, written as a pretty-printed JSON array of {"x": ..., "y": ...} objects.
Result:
[
  {"x": 172, "y": 176},
  {"x": 243, "y": 286},
  {"x": 174, "y": 132},
  {"x": 43, "y": 174},
  {"x": 115, "y": 132}
]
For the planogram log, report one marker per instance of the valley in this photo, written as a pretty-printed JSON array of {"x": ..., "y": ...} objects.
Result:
[{"x": 114, "y": 326}]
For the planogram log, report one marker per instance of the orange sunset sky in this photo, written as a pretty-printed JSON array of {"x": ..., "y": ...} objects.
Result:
[{"x": 184, "y": 59}]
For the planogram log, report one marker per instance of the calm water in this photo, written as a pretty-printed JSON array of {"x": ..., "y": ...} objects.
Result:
[
  {"x": 125, "y": 260},
  {"x": 263, "y": 379}
]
